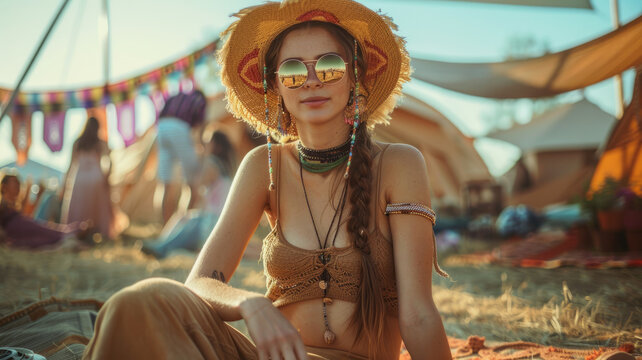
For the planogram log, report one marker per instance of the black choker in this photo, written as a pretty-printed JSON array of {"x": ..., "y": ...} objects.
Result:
[{"x": 323, "y": 160}]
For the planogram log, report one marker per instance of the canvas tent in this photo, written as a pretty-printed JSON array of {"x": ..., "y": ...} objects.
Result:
[
  {"x": 622, "y": 156},
  {"x": 451, "y": 158},
  {"x": 558, "y": 153},
  {"x": 545, "y": 76}
]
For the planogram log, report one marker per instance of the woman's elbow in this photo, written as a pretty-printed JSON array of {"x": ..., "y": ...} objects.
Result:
[{"x": 419, "y": 317}]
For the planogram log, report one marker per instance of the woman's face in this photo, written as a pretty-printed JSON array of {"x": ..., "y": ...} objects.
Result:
[{"x": 314, "y": 102}]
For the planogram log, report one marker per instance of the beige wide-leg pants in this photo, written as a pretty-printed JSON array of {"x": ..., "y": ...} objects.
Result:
[{"x": 163, "y": 319}]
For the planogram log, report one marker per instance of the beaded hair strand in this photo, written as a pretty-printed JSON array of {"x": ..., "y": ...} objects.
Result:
[
  {"x": 267, "y": 132},
  {"x": 356, "y": 111}
]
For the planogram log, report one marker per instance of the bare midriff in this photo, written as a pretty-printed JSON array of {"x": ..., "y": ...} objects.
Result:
[{"x": 304, "y": 316}]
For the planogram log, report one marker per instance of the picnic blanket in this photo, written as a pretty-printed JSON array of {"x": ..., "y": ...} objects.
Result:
[
  {"x": 549, "y": 250},
  {"x": 60, "y": 329}
]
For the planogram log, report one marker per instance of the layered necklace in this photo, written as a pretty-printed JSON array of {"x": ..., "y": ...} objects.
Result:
[
  {"x": 318, "y": 161},
  {"x": 324, "y": 257}
]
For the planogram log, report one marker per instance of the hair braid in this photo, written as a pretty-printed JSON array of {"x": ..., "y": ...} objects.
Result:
[{"x": 368, "y": 318}]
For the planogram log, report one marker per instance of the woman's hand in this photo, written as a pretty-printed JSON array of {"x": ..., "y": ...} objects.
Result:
[{"x": 274, "y": 336}]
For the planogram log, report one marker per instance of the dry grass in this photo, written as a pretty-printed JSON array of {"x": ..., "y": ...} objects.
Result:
[{"x": 503, "y": 304}]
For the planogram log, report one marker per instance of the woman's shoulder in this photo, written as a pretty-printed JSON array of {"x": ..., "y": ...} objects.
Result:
[
  {"x": 396, "y": 154},
  {"x": 403, "y": 167}
]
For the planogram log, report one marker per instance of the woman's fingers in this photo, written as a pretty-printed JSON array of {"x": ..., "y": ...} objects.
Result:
[
  {"x": 299, "y": 348},
  {"x": 273, "y": 334},
  {"x": 274, "y": 353}
]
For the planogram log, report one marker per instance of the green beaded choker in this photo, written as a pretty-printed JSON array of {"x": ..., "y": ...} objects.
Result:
[{"x": 319, "y": 161}]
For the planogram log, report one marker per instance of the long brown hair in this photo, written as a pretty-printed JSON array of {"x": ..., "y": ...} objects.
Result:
[
  {"x": 368, "y": 319},
  {"x": 88, "y": 139}
]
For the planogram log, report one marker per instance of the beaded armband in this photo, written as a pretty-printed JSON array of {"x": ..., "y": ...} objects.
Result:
[
  {"x": 412, "y": 208},
  {"x": 424, "y": 211}
]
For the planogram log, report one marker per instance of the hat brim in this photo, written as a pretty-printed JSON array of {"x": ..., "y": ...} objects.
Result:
[{"x": 242, "y": 55}]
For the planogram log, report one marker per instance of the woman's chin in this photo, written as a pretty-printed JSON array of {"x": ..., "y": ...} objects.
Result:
[{"x": 315, "y": 118}]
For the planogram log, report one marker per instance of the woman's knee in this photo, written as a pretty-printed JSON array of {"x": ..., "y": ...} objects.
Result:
[{"x": 148, "y": 293}]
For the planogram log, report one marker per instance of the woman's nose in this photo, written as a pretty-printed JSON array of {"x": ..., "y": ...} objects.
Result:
[{"x": 312, "y": 80}]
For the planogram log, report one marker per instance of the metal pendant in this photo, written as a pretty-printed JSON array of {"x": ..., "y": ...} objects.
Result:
[{"x": 323, "y": 284}]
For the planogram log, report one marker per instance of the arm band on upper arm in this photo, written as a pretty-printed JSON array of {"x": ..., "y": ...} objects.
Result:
[
  {"x": 424, "y": 211},
  {"x": 412, "y": 208}
]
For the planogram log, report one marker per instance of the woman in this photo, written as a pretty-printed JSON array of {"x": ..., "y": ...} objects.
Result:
[
  {"x": 191, "y": 230},
  {"x": 86, "y": 195},
  {"x": 344, "y": 281}
]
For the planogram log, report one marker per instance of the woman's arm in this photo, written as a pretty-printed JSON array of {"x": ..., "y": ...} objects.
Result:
[
  {"x": 272, "y": 333},
  {"x": 412, "y": 235},
  {"x": 74, "y": 155},
  {"x": 224, "y": 248}
]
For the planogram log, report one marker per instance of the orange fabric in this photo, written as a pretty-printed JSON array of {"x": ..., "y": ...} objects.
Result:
[
  {"x": 21, "y": 136},
  {"x": 622, "y": 158}
]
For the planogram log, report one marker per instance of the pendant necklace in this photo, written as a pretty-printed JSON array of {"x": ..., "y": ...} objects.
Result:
[{"x": 324, "y": 279}]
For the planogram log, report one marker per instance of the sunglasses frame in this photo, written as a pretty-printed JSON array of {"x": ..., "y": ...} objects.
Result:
[{"x": 307, "y": 75}]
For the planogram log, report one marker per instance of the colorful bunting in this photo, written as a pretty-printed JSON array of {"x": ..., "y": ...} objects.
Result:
[
  {"x": 54, "y": 104},
  {"x": 155, "y": 80}
]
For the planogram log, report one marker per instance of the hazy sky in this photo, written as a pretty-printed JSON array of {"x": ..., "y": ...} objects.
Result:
[{"x": 149, "y": 33}]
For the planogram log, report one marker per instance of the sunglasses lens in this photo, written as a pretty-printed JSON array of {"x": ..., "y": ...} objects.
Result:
[
  {"x": 293, "y": 74},
  {"x": 330, "y": 68}
]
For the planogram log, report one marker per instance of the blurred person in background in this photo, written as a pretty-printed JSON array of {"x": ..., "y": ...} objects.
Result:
[
  {"x": 190, "y": 231},
  {"x": 86, "y": 193},
  {"x": 18, "y": 230},
  {"x": 181, "y": 114}
]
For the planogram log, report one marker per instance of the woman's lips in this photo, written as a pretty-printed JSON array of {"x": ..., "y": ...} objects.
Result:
[{"x": 315, "y": 101}]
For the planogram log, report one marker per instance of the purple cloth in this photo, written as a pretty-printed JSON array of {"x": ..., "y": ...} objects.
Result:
[{"x": 23, "y": 231}]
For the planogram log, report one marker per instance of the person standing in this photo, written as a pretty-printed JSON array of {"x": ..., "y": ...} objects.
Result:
[
  {"x": 181, "y": 114},
  {"x": 86, "y": 193}
]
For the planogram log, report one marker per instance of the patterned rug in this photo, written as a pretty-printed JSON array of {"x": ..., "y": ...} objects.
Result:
[{"x": 60, "y": 329}]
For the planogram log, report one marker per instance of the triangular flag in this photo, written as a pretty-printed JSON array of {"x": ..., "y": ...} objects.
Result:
[
  {"x": 126, "y": 115},
  {"x": 53, "y": 130},
  {"x": 21, "y": 136}
]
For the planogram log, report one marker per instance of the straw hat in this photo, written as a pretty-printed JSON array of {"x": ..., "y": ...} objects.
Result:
[{"x": 242, "y": 56}]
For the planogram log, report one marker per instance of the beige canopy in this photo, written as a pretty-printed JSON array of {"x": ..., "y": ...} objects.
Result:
[
  {"x": 544, "y": 76},
  {"x": 580, "y": 125},
  {"x": 579, "y": 4}
]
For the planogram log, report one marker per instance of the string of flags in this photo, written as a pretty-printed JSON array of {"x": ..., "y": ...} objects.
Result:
[{"x": 54, "y": 104}]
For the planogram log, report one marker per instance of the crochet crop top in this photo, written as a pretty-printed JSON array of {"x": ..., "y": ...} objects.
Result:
[{"x": 293, "y": 273}]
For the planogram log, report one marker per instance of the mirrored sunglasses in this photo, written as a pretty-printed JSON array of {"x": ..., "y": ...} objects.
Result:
[{"x": 329, "y": 69}]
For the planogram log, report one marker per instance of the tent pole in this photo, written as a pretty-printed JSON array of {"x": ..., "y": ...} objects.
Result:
[
  {"x": 106, "y": 34},
  {"x": 619, "y": 90},
  {"x": 7, "y": 106}
]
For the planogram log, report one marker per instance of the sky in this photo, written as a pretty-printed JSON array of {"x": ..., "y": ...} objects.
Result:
[{"x": 146, "y": 34}]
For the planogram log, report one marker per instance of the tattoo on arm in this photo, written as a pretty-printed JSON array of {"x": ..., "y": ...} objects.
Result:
[{"x": 218, "y": 275}]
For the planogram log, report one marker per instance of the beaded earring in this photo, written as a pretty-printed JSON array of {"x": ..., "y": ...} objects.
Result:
[
  {"x": 280, "y": 116},
  {"x": 348, "y": 112},
  {"x": 267, "y": 132},
  {"x": 356, "y": 111}
]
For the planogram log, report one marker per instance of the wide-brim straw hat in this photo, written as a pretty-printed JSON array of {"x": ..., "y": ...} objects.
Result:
[{"x": 246, "y": 41}]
